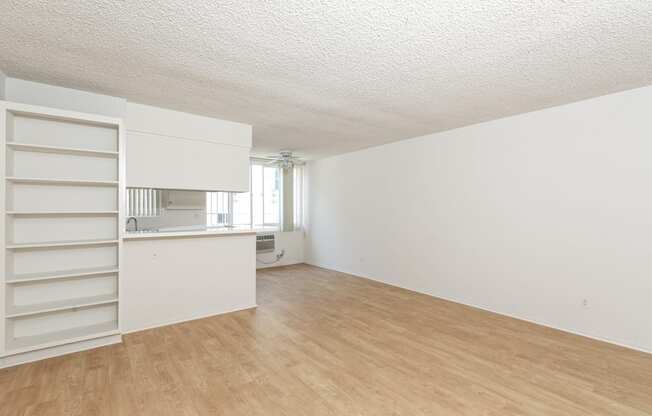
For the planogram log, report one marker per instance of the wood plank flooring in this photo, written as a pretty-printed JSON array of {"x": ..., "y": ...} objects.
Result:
[{"x": 326, "y": 343}]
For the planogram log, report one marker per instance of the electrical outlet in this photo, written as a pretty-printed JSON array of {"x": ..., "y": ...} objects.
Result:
[{"x": 585, "y": 303}]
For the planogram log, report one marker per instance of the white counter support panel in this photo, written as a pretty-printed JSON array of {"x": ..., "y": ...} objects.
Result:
[
  {"x": 174, "y": 278},
  {"x": 61, "y": 202}
]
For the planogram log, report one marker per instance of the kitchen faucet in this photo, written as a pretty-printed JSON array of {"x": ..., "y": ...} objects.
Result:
[{"x": 135, "y": 223}]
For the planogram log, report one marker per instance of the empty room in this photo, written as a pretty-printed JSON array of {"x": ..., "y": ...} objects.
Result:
[{"x": 301, "y": 207}]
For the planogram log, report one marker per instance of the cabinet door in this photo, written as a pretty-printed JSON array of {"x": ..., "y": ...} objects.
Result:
[{"x": 167, "y": 162}]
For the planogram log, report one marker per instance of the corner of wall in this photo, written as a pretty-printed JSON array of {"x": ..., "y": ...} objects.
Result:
[
  {"x": 35, "y": 93},
  {"x": 292, "y": 243}
]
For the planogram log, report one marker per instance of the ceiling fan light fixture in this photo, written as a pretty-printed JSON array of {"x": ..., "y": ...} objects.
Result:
[{"x": 285, "y": 160}]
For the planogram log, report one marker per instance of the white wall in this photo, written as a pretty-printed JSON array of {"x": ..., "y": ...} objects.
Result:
[
  {"x": 3, "y": 79},
  {"x": 527, "y": 216},
  {"x": 35, "y": 93},
  {"x": 174, "y": 218},
  {"x": 292, "y": 242}
]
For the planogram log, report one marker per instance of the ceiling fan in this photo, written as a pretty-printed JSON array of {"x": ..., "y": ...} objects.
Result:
[{"x": 285, "y": 160}]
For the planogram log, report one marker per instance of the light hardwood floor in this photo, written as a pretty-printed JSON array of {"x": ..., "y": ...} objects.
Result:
[{"x": 326, "y": 343}]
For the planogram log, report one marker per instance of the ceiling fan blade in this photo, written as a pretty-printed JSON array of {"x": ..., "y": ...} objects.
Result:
[{"x": 284, "y": 159}]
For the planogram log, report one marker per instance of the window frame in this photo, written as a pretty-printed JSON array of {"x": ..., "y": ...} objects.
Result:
[{"x": 211, "y": 214}]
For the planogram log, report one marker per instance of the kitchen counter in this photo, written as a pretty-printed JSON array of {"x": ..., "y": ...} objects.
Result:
[{"x": 186, "y": 231}]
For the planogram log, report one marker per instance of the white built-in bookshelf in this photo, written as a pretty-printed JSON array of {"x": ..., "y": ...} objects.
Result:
[{"x": 61, "y": 197}]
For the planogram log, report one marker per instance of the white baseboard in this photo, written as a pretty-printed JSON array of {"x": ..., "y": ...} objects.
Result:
[
  {"x": 192, "y": 318},
  {"x": 260, "y": 266},
  {"x": 31, "y": 356},
  {"x": 574, "y": 332},
  {"x": 274, "y": 266}
]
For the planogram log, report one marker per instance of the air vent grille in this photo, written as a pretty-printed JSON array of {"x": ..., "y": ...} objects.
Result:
[{"x": 265, "y": 243}]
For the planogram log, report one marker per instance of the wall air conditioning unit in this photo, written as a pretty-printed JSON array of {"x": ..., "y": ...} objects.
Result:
[{"x": 265, "y": 243}]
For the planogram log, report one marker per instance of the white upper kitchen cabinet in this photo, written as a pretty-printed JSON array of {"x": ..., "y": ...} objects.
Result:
[{"x": 174, "y": 150}]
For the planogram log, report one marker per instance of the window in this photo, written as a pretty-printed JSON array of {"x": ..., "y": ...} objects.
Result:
[
  {"x": 242, "y": 209},
  {"x": 259, "y": 208},
  {"x": 267, "y": 204}
]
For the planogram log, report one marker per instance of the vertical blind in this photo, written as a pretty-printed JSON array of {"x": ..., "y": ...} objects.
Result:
[
  {"x": 142, "y": 202},
  {"x": 298, "y": 197}
]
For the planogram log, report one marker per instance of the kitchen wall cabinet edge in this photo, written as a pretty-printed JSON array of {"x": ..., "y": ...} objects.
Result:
[
  {"x": 69, "y": 333},
  {"x": 174, "y": 150}
]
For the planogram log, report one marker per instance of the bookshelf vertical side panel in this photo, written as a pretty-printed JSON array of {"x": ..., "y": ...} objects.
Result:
[
  {"x": 122, "y": 193},
  {"x": 5, "y": 129}
]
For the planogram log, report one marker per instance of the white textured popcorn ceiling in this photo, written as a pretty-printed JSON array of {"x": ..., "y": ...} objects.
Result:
[{"x": 323, "y": 78}]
